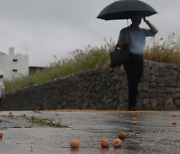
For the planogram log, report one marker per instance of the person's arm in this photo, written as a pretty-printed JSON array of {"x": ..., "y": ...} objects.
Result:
[
  {"x": 123, "y": 40},
  {"x": 154, "y": 30},
  {"x": 121, "y": 44}
]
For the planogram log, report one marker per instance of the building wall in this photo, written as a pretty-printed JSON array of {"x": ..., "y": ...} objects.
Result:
[
  {"x": 14, "y": 65},
  {"x": 97, "y": 89}
]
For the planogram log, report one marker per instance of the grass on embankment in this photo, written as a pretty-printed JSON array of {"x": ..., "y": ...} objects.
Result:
[{"x": 166, "y": 51}]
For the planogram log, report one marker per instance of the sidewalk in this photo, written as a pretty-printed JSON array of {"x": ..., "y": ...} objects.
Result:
[{"x": 153, "y": 134}]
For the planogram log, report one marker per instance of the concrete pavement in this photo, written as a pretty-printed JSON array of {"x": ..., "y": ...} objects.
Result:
[{"x": 153, "y": 134}]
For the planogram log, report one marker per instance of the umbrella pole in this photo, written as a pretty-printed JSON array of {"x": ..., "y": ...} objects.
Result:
[{"x": 127, "y": 22}]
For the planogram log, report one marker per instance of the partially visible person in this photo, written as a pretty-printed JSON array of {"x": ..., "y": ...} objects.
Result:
[
  {"x": 134, "y": 37},
  {"x": 2, "y": 89}
]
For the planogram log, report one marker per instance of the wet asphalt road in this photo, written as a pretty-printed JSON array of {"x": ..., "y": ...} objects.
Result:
[{"x": 153, "y": 134}]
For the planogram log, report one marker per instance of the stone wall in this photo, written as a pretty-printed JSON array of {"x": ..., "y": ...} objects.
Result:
[{"x": 98, "y": 89}]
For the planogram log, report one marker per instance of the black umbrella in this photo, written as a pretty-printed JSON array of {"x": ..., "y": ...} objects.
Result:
[{"x": 125, "y": 9}]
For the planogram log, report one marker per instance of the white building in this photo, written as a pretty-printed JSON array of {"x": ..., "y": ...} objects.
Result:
[{"x": 13, "y": 65}]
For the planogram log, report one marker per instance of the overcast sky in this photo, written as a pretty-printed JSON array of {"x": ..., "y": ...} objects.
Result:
[{"x": 44, "y": 28}]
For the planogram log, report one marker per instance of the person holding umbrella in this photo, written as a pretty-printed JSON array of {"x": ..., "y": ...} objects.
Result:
[{"x": 134, "y": 37}]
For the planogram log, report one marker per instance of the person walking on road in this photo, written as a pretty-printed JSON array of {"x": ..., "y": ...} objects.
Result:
[
  {"x": 2, "y": 90},
  {"x": 134, "y": 37}
]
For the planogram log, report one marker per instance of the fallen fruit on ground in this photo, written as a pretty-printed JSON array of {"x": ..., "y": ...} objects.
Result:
[
  {"x": 74, "y": 144},
  {"x": 134, "y": 122},
  {"x": 1, "y": 135},
  {"x": 104, "y": 143},
  {"x": 117, "y": 143},
  {"x": 174, "y": 123},
  {"x": 10, "y": 115},
  {"x": 122, "y": 135}
]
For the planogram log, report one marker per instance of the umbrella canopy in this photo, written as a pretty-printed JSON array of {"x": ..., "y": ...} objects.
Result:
[{"x": 125, "y": 9}]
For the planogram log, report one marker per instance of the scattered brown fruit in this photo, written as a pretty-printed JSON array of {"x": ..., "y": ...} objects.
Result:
[
  {"x": 10, "y": 115},
  {"x": 134, "y": 122},
  {"x": 117, "y": 143},
  {"x": 122, "y": 135},
  {"x": 74, "y": 144},
  {"x": 1, "y": 135},
  {"x": 174, "y": 123},
  {"x": 104, "y": 143}
]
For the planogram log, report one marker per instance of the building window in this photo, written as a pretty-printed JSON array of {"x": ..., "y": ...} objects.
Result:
[
  {"x": 15, "y": 60},
  {"x": 14, "y": 70}
]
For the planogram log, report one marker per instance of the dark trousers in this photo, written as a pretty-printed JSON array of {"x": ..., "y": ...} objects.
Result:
[{"x": 134, "y": 70}]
